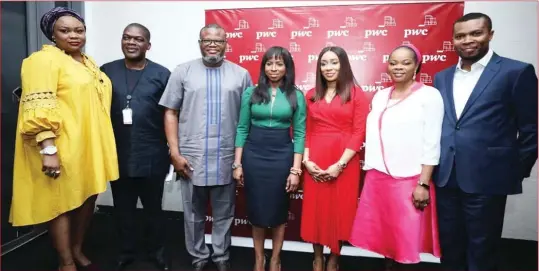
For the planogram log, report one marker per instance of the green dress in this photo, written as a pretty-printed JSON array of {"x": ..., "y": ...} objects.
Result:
[{"x": 269, "y": 134}]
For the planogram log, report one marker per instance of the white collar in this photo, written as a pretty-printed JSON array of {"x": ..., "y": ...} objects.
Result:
[{"x": 483, "y": 61}]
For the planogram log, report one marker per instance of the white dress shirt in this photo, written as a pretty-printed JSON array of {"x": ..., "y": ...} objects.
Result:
[
  {"x": 411, "y": 132},
  {"x": 464, "y": 81}
]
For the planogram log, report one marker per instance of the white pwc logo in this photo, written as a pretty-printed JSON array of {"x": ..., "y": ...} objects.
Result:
[
  {"x": 301, "y": 34},
  {"x": 234, "y": 35},
  {"x": 371, "y": 88},
  {"x": 415, "y": 32},
  {"x": 375, "y": 33},
  {"x": 244, "y": 58},
  {"x": 338, "y": 33},
  {"x": 425, "y": 58},
  {"x": 266, "y": 34},
  {"x": 359, "y": 57},
  {"x": 434, "y": 58}
]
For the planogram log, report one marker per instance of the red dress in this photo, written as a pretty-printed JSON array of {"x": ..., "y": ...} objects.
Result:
[{"x": 329, "y": 208}]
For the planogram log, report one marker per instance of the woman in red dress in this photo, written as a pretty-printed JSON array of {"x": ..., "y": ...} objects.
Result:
[{"x": 336, "y": 112}]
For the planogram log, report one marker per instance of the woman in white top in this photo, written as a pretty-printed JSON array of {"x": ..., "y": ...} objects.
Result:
[{"x": 396, "y": 215}]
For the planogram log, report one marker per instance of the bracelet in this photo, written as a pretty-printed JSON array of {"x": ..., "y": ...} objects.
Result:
[
  {"x": 341, "y": 165},
  {"x": 295, "y": 171},
  {"x": 424, "y": 185}
]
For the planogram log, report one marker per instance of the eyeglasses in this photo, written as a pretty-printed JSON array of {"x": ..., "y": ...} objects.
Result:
[{"x": 217, "y": 42}]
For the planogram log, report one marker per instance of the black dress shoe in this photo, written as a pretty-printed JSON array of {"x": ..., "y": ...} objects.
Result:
[
  {"x": 199, "y": 266},
  {"x": 222, "y": 265},
  {"x": 161, "y": 263},
  {"x": 123, "y": 262}
]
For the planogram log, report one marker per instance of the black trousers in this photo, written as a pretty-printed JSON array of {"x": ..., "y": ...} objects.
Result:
[
  {"x": 125, "y": 193},
  {"x": 470, "y": 228}
]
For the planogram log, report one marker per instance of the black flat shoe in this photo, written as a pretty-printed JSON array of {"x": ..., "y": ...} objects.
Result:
[{"x": 88, "y": 267}]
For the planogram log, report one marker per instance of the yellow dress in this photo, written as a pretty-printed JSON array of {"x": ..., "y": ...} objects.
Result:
[{"x": 69, "y": 101}]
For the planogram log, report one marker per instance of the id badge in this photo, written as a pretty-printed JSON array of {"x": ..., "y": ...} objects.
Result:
[{"x": 128, "y": 116}]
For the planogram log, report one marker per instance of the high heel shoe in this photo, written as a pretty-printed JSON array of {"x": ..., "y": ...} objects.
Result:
[
  {"x": 89, "y": 267},
  {"x": 60, "y": 268}
]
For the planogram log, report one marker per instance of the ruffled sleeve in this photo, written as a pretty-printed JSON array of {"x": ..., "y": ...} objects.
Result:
[{"x": 39, "y": 118}]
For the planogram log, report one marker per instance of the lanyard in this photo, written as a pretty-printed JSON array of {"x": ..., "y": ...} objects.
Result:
[
  {"x": 130, "y": 91},
  {"x": 413, "y": 88}
]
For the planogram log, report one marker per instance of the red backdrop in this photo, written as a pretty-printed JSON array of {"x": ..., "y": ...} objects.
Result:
[{"x": 367, "y": 32}]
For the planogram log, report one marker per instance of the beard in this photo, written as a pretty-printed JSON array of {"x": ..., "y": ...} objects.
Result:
[
  {"x": 473, "y": 58},
  {"x": 213, "y": 59}
]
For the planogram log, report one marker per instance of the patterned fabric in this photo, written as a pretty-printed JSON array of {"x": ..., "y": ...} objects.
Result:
[
  {"x": 49, "y": 19},
  {"x": 208, "y": 100}
]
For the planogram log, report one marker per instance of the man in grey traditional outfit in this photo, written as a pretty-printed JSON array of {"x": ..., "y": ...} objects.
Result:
[{"x": 202, "y": 101}]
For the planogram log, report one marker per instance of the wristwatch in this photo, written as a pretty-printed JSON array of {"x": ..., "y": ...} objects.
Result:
[
  {"x": 235, "y": 166},
  {"x": 49, "y": 150},
  {"x": 420, "y": 183},
  {"x": 341, "y": 165}
]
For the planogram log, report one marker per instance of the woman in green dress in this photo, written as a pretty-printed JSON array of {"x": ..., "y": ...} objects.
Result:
[{"x": 268, "y": 152}]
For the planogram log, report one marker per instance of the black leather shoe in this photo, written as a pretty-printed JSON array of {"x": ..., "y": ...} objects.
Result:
[
  {"x": 122, "y": 263},
  {"x": 222, "y": 265},
  {"x": 88, "y": 267},
  {"x": 199, "y": 266},
  {"x": 161, "y": 263}
]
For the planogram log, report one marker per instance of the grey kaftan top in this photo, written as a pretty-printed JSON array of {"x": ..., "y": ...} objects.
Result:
[{"x": 208, "y": 100}]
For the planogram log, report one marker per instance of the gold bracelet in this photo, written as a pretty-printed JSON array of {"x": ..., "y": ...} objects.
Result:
[{"x": 295, "y": 171}]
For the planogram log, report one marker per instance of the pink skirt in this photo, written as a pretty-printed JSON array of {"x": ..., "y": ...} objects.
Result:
[{"x": 387, "y": 222}]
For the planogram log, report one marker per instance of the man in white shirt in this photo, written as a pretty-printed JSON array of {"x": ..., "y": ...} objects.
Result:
[{"x": 488, "y": 144}]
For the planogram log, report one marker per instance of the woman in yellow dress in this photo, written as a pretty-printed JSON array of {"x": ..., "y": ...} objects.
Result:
[{"x": 65, "y": 151}]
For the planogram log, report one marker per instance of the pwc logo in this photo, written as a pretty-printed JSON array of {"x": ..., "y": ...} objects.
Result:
[
  {"x": 356, "y": 57},
  {"x": 415, "y": 32},
  {"x": 375, "y": 33},
  {"x": 312, "y": 58},
  {"x": 338, "y": 33},
  {"x": 359, "y": 57},
  {"x": 371, "y": 88},
  {"x": 425, "y": 58},
  {"x": 234, "y": 35},
  {"x": 248, "y": 58},
  {"x": 266, "y": 34},
  {"x": 301, "y": 34},
  {"x": 434, "y": 58}
]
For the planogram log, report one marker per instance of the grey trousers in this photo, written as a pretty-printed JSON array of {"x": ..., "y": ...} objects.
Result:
[{"x": 195, "y": 205}]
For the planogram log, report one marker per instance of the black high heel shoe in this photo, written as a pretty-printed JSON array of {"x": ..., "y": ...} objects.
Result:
[{"x": 89, "y": 267}]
